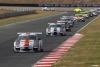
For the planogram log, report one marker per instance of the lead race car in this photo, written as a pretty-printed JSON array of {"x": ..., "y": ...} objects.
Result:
[
  {"x": 28, "y": 42},
  {"x": 56, "y": 29}
]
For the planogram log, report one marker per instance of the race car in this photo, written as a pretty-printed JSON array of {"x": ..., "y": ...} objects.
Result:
[
  {"x": 85, "y": 14},
  {"x": 94, "y": 12},
  {"x": 78, "y": 10},
  {"x": 28, "y": 42},
  {"x": 97, "y": 9},
  {"x": 55, "y": 29},
  {"x": 48, "y": 9},
  {"x": 71, "y": 21},
  {"x": 79, "y": 17},
  {"x": 71, "y": 17},
  {"x": 90, "y": 13},
  {"x": 66, "y": 24}
]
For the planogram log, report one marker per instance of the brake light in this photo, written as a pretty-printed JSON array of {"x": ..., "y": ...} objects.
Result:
[{"x": 58, "y": 20}]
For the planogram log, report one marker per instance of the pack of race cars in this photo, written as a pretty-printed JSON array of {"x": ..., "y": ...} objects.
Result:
[{"x": 30, "y": 42}]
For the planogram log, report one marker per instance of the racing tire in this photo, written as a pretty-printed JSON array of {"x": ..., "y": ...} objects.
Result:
[
  {"x": 69, "y": 29},
  {"x": 47, "y": 35},
  {"x": 15, "y": 51},
  {"x": 61, "y": 34},
  {"x": 83, "y": 20},
  {"x": 41, "y": 50},
  {"x": 64, "y": 34}
]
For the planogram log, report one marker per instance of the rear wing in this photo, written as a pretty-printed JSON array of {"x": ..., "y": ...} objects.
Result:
[
  {"x": 60, "y": 23},
  {"x": 29, "y": 33}
]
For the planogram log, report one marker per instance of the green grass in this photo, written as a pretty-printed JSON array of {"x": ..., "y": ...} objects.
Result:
[
  {"x": 86, "y": 52},
  {"x": 39, "y": 14}
]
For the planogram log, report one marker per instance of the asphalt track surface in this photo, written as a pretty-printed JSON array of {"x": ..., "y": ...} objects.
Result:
[{"x": 8, "y": 35}]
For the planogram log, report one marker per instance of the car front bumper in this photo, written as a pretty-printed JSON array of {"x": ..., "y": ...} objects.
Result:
[{"x": 54, "y": 33}]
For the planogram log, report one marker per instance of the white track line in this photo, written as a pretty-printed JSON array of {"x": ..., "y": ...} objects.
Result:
[{"x": 87, "y": 24}]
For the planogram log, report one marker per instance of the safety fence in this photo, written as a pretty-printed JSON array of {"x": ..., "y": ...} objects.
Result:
[{"x": 52, "y": 5}]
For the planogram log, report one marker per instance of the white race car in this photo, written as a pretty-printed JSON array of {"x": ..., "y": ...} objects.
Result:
[
  {"x": 28, "y": 42},
  {"x": 94, "y": 12},
  {"x": 48, "y": 9},
  {"x": 55, "y": 29},
  {"x": 97, "y": 9}
]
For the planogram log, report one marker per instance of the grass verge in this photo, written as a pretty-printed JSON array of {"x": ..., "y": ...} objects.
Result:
[
  {"x": 16, "y": 19},
  {"x": 86, "y": 52}
]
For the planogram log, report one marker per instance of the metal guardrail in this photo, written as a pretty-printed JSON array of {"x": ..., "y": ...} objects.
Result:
[{"x": 18, "y": 13}]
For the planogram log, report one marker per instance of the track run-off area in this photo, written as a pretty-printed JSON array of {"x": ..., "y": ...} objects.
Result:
[{"x": 8, "y": 35}]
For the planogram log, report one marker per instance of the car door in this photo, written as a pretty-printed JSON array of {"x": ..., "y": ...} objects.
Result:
[
  {"x": 37, "y": 41},
  {"x": 64, "y": 29}
]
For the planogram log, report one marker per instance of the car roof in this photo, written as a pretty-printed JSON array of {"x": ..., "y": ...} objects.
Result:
[
  {"x": 60, "y": 23},
  {"x": 66, "y": 18},
  {"x": 28, "y": 33},
  {"x": 52, "y": 23}
]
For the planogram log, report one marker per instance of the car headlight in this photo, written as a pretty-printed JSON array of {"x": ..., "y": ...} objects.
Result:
[{"x": 16, "y": 44}]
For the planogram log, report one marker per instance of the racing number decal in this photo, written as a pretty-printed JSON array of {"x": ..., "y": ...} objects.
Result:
[{"x": 26, "y": 44}]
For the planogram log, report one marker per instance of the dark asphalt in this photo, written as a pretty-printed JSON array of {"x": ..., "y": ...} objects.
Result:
[{"x": 9, "y": 33}]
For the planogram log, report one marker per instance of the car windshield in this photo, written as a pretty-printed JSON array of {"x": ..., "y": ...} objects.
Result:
[
  {"x": 66, "y": 19},
  {"x": 94, "y": 11},
  {"x": 65, "y": 24},
  {"x": 98, "y": 9},
  {"x": 29, "y": 37},
  {"x": 56, "y": 25}
]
